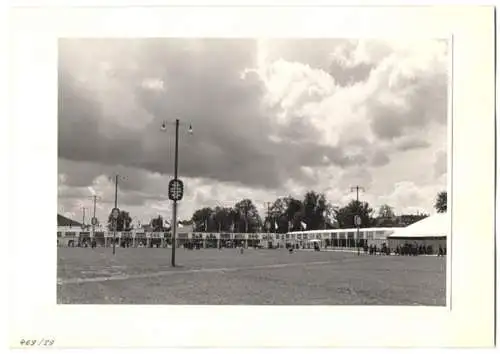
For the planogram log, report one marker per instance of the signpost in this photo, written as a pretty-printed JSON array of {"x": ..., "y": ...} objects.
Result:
[
  {"x": 93, "y": 221},
  {"x": 175, "y": 193},
  {"x": 175, "y": 190},
  {"x": 115, "y": 213},
  {"x": 357, "y": 222}
]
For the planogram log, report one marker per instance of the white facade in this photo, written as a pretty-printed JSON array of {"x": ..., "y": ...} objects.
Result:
[{"x": 304, "y": 239}]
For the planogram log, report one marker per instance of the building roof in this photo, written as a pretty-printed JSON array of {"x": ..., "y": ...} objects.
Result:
[
  {"x": 185, "y": 228},
  {"x": 437, "y": 225},
  {"x": 64, "y": 221}
]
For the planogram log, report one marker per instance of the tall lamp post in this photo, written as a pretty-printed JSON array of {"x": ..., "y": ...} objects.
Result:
[{"x": 175, "y": 187}]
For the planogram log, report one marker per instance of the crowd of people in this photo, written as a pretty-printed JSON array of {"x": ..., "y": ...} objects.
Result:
[{"x": 406, "y": 249}]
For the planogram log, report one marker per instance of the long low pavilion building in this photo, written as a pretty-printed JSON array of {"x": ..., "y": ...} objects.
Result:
[{"x": 433, "y": 230}]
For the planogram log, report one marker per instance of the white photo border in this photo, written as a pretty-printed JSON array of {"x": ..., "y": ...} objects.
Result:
[{"x": 33, "y": 312}]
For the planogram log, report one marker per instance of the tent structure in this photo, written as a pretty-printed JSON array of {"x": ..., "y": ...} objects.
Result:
[
  {"x": 185, "y": 228},
  {"x": 436, "y": 225},
  {"x": 433, "y": 230}
]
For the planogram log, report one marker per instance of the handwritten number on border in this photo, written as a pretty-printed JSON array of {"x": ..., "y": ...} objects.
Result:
[{"x": 42, "y": 342}]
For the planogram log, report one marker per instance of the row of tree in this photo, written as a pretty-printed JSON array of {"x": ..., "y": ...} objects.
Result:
[
  {"x": 286, "y": 214},
  {"x": 313, "y": 212}
]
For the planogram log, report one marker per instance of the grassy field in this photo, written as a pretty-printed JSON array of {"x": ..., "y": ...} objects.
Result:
[{"x": 257, "y": 277}]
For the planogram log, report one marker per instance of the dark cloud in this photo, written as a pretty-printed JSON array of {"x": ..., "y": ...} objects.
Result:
[
  {"x": 422, "y": 101},
  {"x": 203, "y": 87},
  {"x": 256, "y": 135},
  {"x": 379, "y": 158}
]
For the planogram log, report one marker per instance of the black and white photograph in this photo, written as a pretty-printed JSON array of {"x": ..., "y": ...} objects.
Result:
[
  {"x": 251, "y": 177},
  {"x": 253, "y": 171}
]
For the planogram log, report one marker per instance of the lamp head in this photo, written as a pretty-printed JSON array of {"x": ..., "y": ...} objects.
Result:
[{"x": 163, "y": 126}]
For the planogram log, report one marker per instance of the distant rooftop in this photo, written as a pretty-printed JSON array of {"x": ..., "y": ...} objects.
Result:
[{"x": 64, "y": 221}]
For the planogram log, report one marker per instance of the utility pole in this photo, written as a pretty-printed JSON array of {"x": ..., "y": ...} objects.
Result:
[
  {"x": 115, "y": 222},
  {"x": 83, "y": 219},
  {"x": 268, "y": 204},
  {"x": 357, "y": 189},
  {"x": 357, "y": 217},
  {"x": 116, "y": 191}
]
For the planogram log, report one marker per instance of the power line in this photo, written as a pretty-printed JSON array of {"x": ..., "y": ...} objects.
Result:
[
  {"x": 357, "y": 189},
  {"x": 83, "y": 218}
]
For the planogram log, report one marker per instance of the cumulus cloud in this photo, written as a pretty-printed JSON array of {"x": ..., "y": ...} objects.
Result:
[
  {"x": 270, "y": 118},
  {"x": 153, "y": 84}
]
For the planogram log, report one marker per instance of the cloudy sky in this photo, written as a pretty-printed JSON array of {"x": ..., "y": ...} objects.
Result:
[{"x": 270, "y": 118}]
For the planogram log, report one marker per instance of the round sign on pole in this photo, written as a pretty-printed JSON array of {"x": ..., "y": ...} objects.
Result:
[
  {"x": 357, "y": 220},
  {"x": 175, "y": 189},
  {"x": 115, "y": 213},
  {"x": 94, "y": 221}
]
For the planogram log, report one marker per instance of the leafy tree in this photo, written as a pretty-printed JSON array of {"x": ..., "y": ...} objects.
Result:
[
  {"x": 279, "y": 206},
  {"x": 441, "y": 202},
  {"x": 315, "y": 208},
  {"x": 157, "y": 224},
  {"x": 345, "y": 215},
  {"x": 330, "y": 217},
  {"x": 123, "y": 222},
  {"x": 386, "y": 217},
  {"x": 294, "y": 213},
  {"x": 272, "y": 221},
  {"x": 203, "y": 219},
  {"x": 247, "y": 216},
  {"x": 408, "y": 219},
  {"x": 222, "y": 218}
]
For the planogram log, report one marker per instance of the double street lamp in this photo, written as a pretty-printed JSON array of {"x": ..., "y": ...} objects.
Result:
[{"x": 175, "y": 186}]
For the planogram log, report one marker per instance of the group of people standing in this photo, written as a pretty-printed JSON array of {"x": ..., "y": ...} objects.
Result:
[{"x": 405, "y": 250}]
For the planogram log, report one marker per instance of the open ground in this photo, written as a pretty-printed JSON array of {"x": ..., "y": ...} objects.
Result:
[{"x": 256, "y": 277}]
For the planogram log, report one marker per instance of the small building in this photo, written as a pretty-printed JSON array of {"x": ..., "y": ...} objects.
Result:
[
  {"x": 431, "y": 231},
  {"x": 68, "y": 231}
]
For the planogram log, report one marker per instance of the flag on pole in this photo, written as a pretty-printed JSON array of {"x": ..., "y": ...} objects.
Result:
[
  {"x": 275, "y": 225},
  {"x": 304, "y": 225},
  {"x": 290, "y": 225}
]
